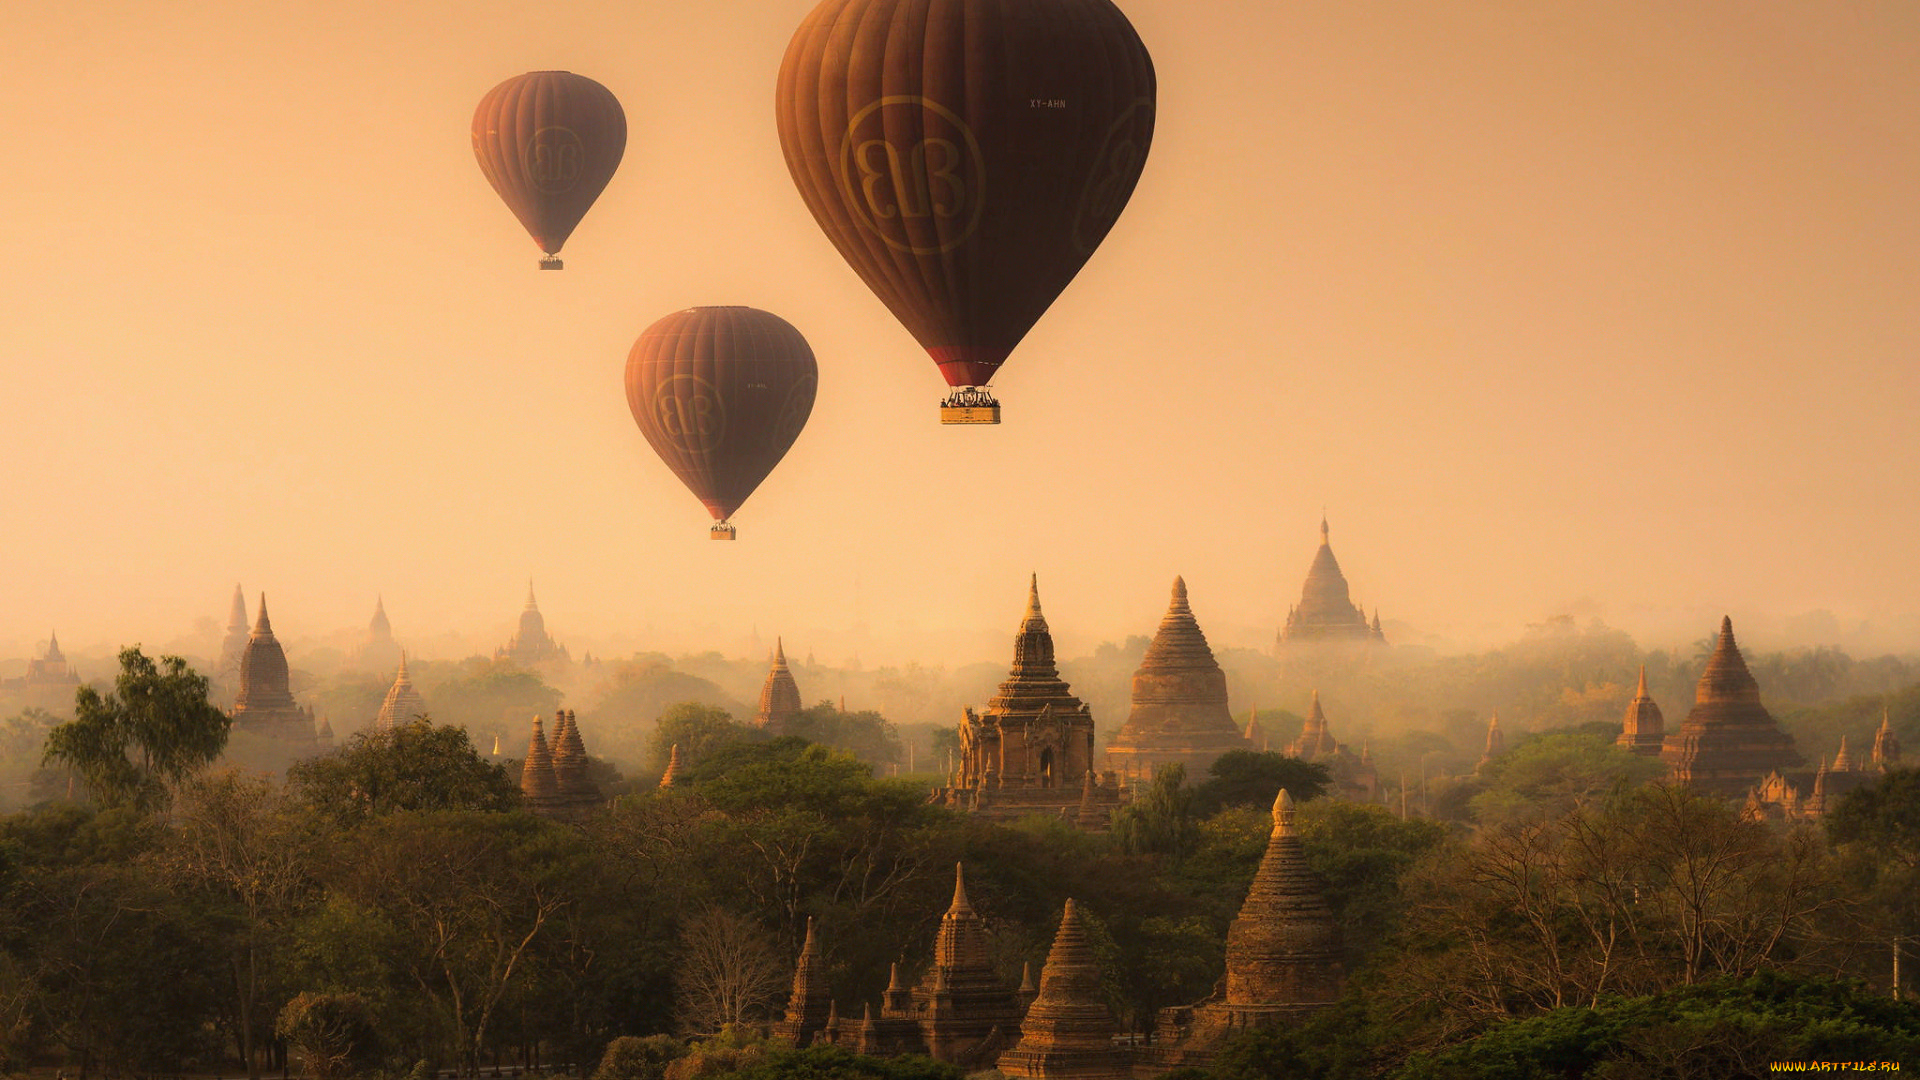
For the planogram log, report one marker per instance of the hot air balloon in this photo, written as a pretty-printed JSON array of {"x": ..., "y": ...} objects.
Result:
[
  {"x": 548, "y": 142},
  {"x": 966, "y": 157},
  {"x": 721, "y": 393}
]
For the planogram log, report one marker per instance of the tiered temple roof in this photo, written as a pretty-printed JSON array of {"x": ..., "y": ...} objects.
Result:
[
  {"x": 1728, "y": 739},
  {"x": 1283, "y": 957},
  {"x": 403, "y": 704},
  {"x": 1314, "y": 741},
  {"x": 265, "y": 703},
  {"x": 50, "y": 668},
  {"x": 1030, "y": 751},
  {"x": 967, "y": 1014},
  {"x": 539, "y": 786},
  {"x": 576, "y": 794},
  {"x": 531, "y": 645},
  {"x": 1326, "y": 613},
  {"x": 1068, "y": 1030},
  {"x": 1179, "y": 709},
  {"x": 377, "y": 649},
  {"x": 1354, "y": 777},
  {"x": 1644, "y": 729},
  {"x": 810, "y": 1003},
  {"x": 780, "y": 695}
]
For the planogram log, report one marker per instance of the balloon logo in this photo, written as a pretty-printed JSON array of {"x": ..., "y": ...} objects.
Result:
[
  {"x": 689, "y": 412},
  {"x": 939, "y": 176},
  {"x": 554, "y": 159}
]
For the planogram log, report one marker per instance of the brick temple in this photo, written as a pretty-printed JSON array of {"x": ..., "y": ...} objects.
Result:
[
  {"x": 1326, "y": 612},
  {"x": 1179, "y": 711},
  {"x": 780, "y": 695},
  {"x": 1728, "y": 740}
]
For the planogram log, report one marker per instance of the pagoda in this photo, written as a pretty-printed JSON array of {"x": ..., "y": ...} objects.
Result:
[
  {"x": 1179, "y": 709},
  {"x": 810, "y": 1004},
  {"x": 779, "y": 696},
  {"x": 576, "y": 795},
  {"x": 672, "y": 773},
  {"x": 1354, "y": 777},
  {"x": 1728, "y": 740},
  {"x": 403, "y": 704},
  {"x": 1326, "y": 613},
  {"x": 265, "y": 704},
  {"x": 1283, "y": 958},
  {"x": 50, "y": 668},
  {"x": 539, "y": 785},
  {"x": 1644, "y": 729},
  {"x": 1068, "y": 1031},
  {"x": 966, "y": 1014},
  {"x": 1886, "y": 745},
  {"x": 530, "y": 645},
  {"x": 1314, "y": 741},
  {"x": 377, "y": 649},
  {"x": 1029, "y": 753},
  {"x": 235, "y": 642}
]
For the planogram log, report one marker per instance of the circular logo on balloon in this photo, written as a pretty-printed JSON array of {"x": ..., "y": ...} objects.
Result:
[
  {"x": 554, "y": 159},
  {"x": 912, "y": 174},
  {"x": 1115, "y": 170},
  {"x": 688, "y": 412},
  {"x": 793, "y": 413}
]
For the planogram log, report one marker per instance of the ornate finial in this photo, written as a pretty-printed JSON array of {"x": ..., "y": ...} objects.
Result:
[
  {"x": 260, "y": 624},
  {"x": 1314, "y": 712},
  {"x": 1026, "y": 972},
  {"x": 496, "y": 744},
  {"x": 1323, "y": 524},
  {"x": 403, "y": 663},
  {"x": 673, "y": 767},
  {"x": 1283, "y": 814},
  {"x": 810, "y": 947},
  {"x": 1641, "y": 691},
  {"x": 1033, "y": 597},
  {"x": 779, "y": 652},
  {"x": 893, "y": 978},
  {"x": 1179, "y": 605},
  {"x": 960, "y": 905},
  {"x": 531, "y": 606}
]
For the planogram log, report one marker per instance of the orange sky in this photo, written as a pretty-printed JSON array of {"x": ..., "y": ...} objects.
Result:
[{"x": 1603, "y": 308}]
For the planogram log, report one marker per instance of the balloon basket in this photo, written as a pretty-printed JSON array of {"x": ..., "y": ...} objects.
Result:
[
  {"x": 551, "y": 262},
  {"x": 722, "y": 531},
  {"x": 969, "y": 405}
]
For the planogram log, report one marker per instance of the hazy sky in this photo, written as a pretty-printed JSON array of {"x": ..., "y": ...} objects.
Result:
[{"x": 1602, "y": 307}]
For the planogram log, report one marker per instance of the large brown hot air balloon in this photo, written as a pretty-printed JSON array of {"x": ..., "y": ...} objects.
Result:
[
  {"x": 721, "y": 393},
  {"x": 549, "y": 141},
  {"x": 966, "y": 157}
]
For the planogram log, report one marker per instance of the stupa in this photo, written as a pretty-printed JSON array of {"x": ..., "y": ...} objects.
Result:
[
  {"x": 1728, "y": 740},
  {"x": 265, "y": 704},
  {"x": 403, "y": 704},
  {"x": 810, "y": 1003},
  {"x": 1068, "y": 1031},
  {"x": 531, "y": 645},
  {"x": 1644, "y": 729},
  {"x": 1029, "y": 753},
  {"x": 576, "y": 795},
  {"x": 1886, "y": 745},
  {"x": 779, "y": 695},
  {"x": 1283, "y": 958},
  {"x": 966, "y": 1014},
  {"x": 539, "y": 787},
  {"x": 377, "y": 649},
  {"x": 1326, "y": 613},
  {"x": 1354, "y": 777},
  {"x": 1314, "y": 741},
  {"x": 1179, "y": 709}
]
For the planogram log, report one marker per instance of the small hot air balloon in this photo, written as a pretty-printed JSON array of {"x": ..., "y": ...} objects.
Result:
[
  {"x": 721, "y": 393},
  {"x": 966, "y": 157},
  {"x": 548, "y": 142}
]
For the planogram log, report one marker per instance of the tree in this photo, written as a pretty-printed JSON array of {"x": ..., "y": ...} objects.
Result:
[
  {"x": 698, "y": 730},
  {"x": 155, "y": 729},
  {"x": 1553, "y": 772},
  {"x": 632, "y": 1058},
  {"x": 333, "y": 1033},
  {"x": 1161, "y": 821},
  {"x": 233, "y": 843},
  {"x": 730, "y": 971},
  {"x": 416, "y": 766},
  {"x": 1884, "y": 816},
  {"x": 1252, "y": 778},
  {"x": 865, "y": 734}
]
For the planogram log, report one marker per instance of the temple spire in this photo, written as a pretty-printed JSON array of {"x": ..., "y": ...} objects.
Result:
[
  {"x": 237, "y": 618},
  {"x": 673, "y": 767},
  {"x": 1283, "y": 814},
  {"x": 1033, "y": 619},
  {"x": 531, "y": 606},
  {"x": 1641, "y": 690},
  {"x": 960, "y": 905}
]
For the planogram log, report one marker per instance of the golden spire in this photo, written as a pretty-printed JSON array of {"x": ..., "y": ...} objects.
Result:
[
  {"x": 673, "y": 767},
  {"x": 1641, "y": 691},
  {"x": 960, "y": 906},
  {"x": 1033, "y": 605},
  {"x": 261, "y": 626}
]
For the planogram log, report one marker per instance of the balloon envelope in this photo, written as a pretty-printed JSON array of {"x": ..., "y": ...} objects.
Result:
[
  {"x": 721, "y": 393},
  {"x": 966, "y": 156},
  {"x": 548, "y": 142}
]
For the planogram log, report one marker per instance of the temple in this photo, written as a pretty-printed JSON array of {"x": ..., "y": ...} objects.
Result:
[
  {"x": 1068, "y": 1030},
  {"x": 265, "y": 704},
  {"x": 1644, "y": 730},
  {"x": 1179, "y": 709},
  {"x": 235, "y": 642},
  {"x": 810, "y": 1005},
  {"x": 779, "y": 696},
  {"x": 377, "y": 650},
  {"x": 1029, "y": 753},
  {"x": 1326, "y": 613},
  {"x": 1886, "y": 745},
  {"x": 553, "y": 779},
  {"x": 50, "y": 669},
  {"x": 1354, "y": 777},
  {"x": 403, "y": 704},
  {"x": 1283, "y": 959},
  {"x": 1728, "y": 740},
  {"x": 531, "y": 646}
]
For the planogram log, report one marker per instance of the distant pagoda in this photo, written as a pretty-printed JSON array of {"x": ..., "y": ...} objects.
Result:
[
  {"x": 1354, "y": 777},
  {"x": 1886, "y": 745},
  {"x": 577, "y": 793},
  {"x": 1326, "y": 613},
  {"x": 531, "y": 645},
  {"x": 810, "y": 1004},
  {"x": 403, "y": 704},
  {"x": 377, "y": 649},
  {"x": 1029, "y": 753},
  {"x": 967, "y": 1015},
  {"x": 1068, "y": 1031},
  {"x": 1644, "y": 730},
  {"x": 265, "y": 704},
  {"x": 1179, "y": 709},
  {"x": 50, "y": 669},
  {"x": 235, "y": 642},
  {"x": 1283, "y": 958},
  {"x": 539, "y": 785},
  {"x": 1729, "y": 740},
  {"x": 780, "y": 695}
]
